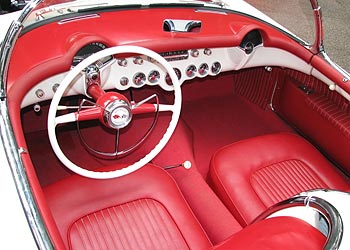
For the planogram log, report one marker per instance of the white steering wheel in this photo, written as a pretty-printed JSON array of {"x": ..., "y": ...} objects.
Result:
[{"x": 116, "y": 104}]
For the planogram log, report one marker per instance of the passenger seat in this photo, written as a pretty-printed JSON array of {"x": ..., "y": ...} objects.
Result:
[{"x": 253, "y": 174}]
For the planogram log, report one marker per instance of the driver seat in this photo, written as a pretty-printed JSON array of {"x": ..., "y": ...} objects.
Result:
[
  {"x": 142, "y": 210},
  {"x": 145, "y": 210}
]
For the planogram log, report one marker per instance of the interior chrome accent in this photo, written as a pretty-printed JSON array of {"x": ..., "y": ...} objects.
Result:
[
  {"x": 175, "y": 25},
  {"x": 317, "y": 47},
  {"x": 331, "y": 214}
]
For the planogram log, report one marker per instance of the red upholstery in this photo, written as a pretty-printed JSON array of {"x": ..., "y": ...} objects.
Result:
[
  {"x": 285, "y": 233},
  {"x": 143, "y": 210},
  {"x": 251, "y": 175}
]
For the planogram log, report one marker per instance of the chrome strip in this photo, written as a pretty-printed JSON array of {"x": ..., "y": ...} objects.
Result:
[
  {"x": 344, "y": 73},
  {"x": 332, "y": 215},
  {"x": 317, "y": 47},
  {"x": 7, "y": 138}
]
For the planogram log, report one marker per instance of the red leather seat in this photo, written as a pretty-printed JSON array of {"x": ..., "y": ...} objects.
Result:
[
  {"x": 251, "y": 175},
  {"x": 143, "y": 210}
]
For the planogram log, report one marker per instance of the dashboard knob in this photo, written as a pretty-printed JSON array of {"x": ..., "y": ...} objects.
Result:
[
  {"x": 55, "y": 87},
  {"x": 195, "y": 53},
  {"x": 123, "y": 62},
  {"x": 138, "y": 60},
  {"x": 40, "y": 93},
  {"x": 207, "y": 52},
  {"x": 124, "y": 81}
]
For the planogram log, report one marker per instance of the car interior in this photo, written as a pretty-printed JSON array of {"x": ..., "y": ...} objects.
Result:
[{"x": 262, "y": 119}]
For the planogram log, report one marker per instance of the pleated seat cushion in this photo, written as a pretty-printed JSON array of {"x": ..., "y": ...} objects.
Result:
[
  {"x": 251, "y": 175},
  {"x": 142, "y": 210}
]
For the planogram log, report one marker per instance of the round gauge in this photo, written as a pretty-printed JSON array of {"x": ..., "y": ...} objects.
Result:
[
  {"x": 153, "y": 76},
  {"x": 139, "y": 78},
  {"x": 168, "y": 79},
  {"x": 88, "y": 50},
  {"x": 191, "y": 70},
  {"x": 216, "y": 68},
  {"x": 203, "y": 69}
]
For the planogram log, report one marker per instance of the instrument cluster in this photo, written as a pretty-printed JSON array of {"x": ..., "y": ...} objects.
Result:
[{"x": 187, "y": 64}]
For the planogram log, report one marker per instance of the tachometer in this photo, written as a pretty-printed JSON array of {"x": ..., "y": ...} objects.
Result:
[{"x": 88, "y": 50}]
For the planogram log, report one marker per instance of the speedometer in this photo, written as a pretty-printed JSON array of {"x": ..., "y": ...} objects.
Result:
[{"x": 88, "y": 50}]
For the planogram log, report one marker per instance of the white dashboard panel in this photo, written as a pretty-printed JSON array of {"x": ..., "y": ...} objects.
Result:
[{"x": 124, "y": 75}]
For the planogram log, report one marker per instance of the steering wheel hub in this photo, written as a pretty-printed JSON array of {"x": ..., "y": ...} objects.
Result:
[{"x": 118, "y": 114}]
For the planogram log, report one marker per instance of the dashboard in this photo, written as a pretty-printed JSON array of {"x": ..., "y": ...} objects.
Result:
[
  {"x": 136, "y": 71},
  {"x": 225, "y": 42}
]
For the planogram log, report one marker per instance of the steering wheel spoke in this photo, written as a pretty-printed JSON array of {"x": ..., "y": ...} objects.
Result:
[{"x": 151, "y": 108}]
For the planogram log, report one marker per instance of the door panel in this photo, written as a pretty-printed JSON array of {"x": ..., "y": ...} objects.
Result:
[{"x": 318, "y": 113}]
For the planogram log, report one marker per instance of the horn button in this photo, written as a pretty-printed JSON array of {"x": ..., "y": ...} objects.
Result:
[{"x": 118, "y": 114}]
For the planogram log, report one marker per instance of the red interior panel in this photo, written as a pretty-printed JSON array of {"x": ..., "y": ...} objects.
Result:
[{"x": 321, "y": 115}]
